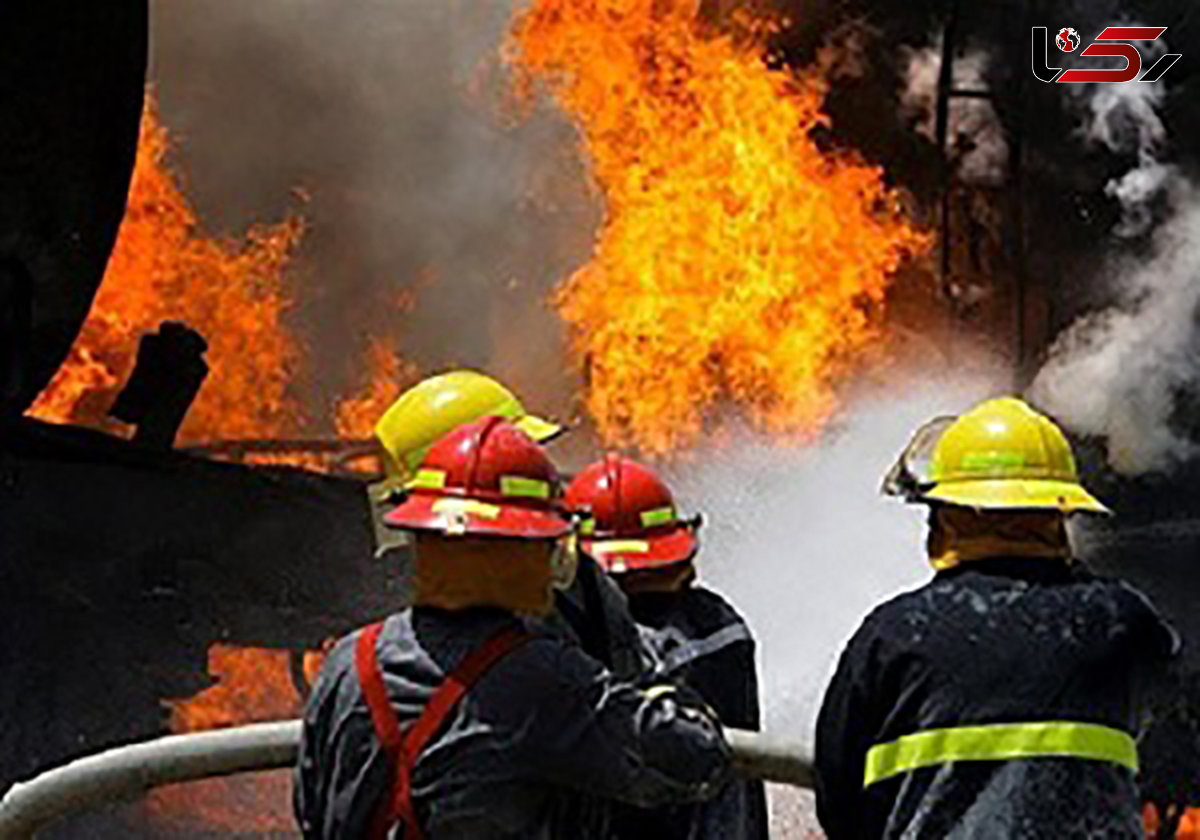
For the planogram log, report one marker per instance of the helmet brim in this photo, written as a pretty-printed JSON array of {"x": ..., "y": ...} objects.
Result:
[
  {"x": 538, "y": 428},
  {"x": 1014, "y": 494},
  {"x": 651, "y": 551},
  {"x": 460, "y": 516}
]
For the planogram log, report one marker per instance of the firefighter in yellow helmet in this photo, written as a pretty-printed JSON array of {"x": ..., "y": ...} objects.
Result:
[
  {"x": 436, "y": 406},
  {"x": 593, "y": 607},
  {"x": 998, "y": 700},
  {"x": 432, "y": 408}
]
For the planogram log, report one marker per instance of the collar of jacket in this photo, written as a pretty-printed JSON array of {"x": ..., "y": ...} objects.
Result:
[
  {"x": 1033, "y": 570},
  {"x": 960, "y": 535}
]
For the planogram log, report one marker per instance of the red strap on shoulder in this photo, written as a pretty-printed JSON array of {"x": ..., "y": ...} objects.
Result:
[
  {"x": 383, "y": 718},
  {"x": 370, "y": 679},
  {"x": 403, "y": 750}
]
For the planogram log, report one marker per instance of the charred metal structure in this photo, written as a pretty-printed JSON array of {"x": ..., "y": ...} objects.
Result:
[{"x": 122, "y": 562}]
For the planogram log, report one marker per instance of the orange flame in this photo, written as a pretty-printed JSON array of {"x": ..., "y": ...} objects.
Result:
[
  {"x": 251, "y": 685},
  {"x": 737, "y": 261},
  {"x": 164, "y": 267},
  {"x": 388, "y": 375},
  {"x": 1188, "y": 828}
]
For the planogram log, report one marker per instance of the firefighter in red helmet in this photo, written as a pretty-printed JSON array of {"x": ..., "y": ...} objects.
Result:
[
  {"x": 634, "y": 532},
  {"x": 468, "y": 715}
]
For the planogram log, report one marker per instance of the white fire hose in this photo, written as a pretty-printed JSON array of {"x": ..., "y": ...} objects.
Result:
[{"x": 125, "y": 773}]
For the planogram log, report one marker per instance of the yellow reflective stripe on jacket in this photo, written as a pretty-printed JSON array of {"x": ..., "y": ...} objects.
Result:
[{"x": 1000, "y": 742}]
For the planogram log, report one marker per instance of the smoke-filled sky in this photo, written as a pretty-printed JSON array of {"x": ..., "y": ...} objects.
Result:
[{"x": 391, "y": 116}]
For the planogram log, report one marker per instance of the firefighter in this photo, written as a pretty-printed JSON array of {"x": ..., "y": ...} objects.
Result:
[
  {"x": 634, "y": 532},
  {"x": 592, "y": 608},
  {"x": 467, "y": 715},
  {"x": 439, "y": 404},
  {"x": 1000, "y": 700}
]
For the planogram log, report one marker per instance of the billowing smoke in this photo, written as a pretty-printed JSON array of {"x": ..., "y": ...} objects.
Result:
[
  {"x": 976, "y": 138},
  {"x": 1119, "y": 373},
  {"x": 802, "y": 542},
  {"x": 1124, "y": 119},
  {"x": 393, "y": 118}
]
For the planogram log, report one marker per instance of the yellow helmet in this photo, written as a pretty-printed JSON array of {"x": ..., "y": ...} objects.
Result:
[
  {"x": 1004, "y": 455},
  {"x": 440, "y": 404}
]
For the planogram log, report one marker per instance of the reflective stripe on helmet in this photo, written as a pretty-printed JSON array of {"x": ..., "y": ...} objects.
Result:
[
  {"x": 621, "y": 547},
  {"x": 428, "y": 480},
  {"x": 658, "y": 516},
  {"x": 1000, "y": 742},
  {"x": 471, "y": 506},
  {"x": 993, "y": 461},
  {"x": 530, "y": 488}
]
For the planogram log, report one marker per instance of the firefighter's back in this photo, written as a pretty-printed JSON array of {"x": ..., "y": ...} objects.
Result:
[
  {"x": 999, "y": 700},
  {"x": 535, "y": 749}
]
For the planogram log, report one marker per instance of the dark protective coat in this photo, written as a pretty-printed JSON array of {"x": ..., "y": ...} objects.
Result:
[
  {"x": 596, "y": 613},
  {"x": 697, "y": 638},
  {"x": 992, "y": 641},
  {"x": 532, "y": 751}
]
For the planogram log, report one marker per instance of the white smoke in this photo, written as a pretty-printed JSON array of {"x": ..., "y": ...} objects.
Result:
[
  {"x": 975, "y": 136},
  {"x": 1117, "y": 373},
  {"x": 802, "y": 542},
  {"x": 1124, "y": 118}
]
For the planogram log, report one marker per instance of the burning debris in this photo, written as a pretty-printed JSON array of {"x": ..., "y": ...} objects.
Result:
[{"x": 164, "y": 267}]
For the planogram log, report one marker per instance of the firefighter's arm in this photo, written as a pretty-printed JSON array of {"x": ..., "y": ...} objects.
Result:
[
  {"x": 646, "y": 746},
  {"x": 842, "y": 741},
  {"x": 340, "y": 771}
]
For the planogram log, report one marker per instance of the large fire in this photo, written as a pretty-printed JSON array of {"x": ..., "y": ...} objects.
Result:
[
  {"x": 738, "y": 262},
  {"x": 165, "y": 267}
]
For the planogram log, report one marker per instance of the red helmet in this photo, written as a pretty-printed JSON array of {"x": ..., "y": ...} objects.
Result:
[
  {"x": 486, "y": 478},
  {"x": 633, "y": 522}
]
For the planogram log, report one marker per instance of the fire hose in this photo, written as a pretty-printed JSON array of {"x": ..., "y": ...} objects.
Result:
[{"x": 124, "y": 773}]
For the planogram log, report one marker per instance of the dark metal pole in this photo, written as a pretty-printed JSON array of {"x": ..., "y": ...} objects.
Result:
[
  {"x": 1020, "y": 261},
  {"x": 941, "y": 128}
]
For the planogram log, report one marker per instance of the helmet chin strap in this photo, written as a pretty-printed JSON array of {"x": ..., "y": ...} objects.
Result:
[{"x": 564, "y": 562}]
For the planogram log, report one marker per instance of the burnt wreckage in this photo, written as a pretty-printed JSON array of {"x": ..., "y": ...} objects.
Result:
[{"x": 123, "y": 561}]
